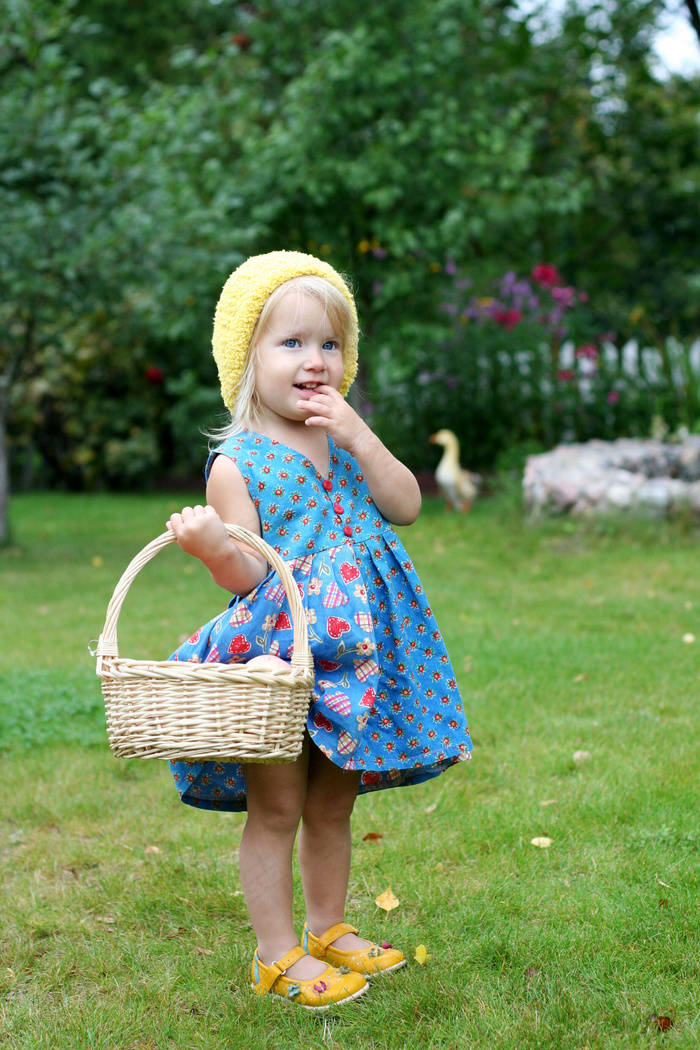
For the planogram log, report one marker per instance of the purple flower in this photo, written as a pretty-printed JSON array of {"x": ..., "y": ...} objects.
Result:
[
  {"x": 379, "y": 253},
  {"x": 449, "y": 308},
  {"x": 450, "y": 267},
  {"x": 376, "y": 287},
  {"x": 613, "y": 397}
]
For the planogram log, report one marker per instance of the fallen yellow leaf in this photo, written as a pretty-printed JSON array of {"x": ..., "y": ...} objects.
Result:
[
  {"x": 387, "y": 900},
  {"x": 97, "y": 561},
  {"x": 152, "y": 849},
  {"x": 581, "y": 756},
  {"x": 541, "y": 841},
  {"x": 580, "y": 678},
  {"x": 548, "y": 802},
  {"x": 421, "y": 955}
]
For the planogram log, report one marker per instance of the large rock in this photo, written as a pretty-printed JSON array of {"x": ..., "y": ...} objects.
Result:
[{"x": 600, "y": 477}]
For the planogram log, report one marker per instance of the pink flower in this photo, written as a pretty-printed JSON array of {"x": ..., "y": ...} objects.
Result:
[
  {"x": 507, "y": 318},
  {"x": 564, "y": 297},
  {"x": 613, "y": 397},
  {"x": 546, "y": 275},
  {"x": 385, "y": 945},
  {"x": 321, "y": 987},
  {"x": 566, "y": 375},
  {"x": 589, "y": 350},
  {"x": 154, "y": 375}
]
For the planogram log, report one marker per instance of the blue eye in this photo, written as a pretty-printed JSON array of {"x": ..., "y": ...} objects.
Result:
[
  {"x": 291, "y": 343},
  {"x": 330, "y": 345}
]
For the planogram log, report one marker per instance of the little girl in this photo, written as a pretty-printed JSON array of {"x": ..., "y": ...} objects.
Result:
[{"x": 300, "y": 468}]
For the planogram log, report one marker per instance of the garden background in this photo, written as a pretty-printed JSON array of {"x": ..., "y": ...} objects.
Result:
[
  {"x": 437, "y": 151},
  {"x": 515, "y": 198}
]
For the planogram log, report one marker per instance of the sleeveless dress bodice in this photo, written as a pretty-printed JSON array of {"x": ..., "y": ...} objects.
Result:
[{"x": 385, "y": 698}]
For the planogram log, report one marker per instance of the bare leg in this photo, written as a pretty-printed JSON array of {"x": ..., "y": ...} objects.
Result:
[
  {"x": 276, "y": 796},
  {"x": 325, "y": 846}
]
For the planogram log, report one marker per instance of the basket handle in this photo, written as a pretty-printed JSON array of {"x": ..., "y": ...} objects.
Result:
[{"x": 107, "y": 644}]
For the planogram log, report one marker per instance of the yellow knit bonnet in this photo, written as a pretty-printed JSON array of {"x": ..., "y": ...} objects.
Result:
[{"x": 241, "y": 302}]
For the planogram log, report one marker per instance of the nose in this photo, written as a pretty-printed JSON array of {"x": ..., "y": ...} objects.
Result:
[{"x": 313, "y": 359}]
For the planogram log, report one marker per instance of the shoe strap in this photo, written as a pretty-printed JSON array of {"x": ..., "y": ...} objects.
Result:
[
  {"x": 277, "y": 969},
  {"x": 334, "y": 933}
]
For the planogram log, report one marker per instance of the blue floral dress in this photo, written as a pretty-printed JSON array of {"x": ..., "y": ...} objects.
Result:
[{"x": 385, "y": 699}]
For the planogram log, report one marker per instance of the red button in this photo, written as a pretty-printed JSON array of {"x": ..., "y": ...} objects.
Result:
[
  {"x": 328, "y": 485},
  {"x": 338, "y": 508},
  {"x": 347, "y": 530}
]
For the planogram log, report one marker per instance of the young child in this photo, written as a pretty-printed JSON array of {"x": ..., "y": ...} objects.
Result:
[{"x": 299, "y": 467}]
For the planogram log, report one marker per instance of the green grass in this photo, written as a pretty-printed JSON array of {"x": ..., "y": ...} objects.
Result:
[{"x": 122, "y": 926}]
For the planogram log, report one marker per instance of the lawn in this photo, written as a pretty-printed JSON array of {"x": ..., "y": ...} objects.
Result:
[{"x": 122, "y": 925}]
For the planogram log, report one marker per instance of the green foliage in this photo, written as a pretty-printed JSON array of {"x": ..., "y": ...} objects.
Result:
[
  {"x": 123, "y": 42},
  {"x": 135, "y": 178}
]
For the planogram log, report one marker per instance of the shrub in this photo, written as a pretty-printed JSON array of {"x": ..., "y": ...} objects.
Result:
[{"x": 526, "y": 366}]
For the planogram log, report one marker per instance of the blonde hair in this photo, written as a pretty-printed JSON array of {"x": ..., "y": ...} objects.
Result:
[{"x": 343, "y": 318}]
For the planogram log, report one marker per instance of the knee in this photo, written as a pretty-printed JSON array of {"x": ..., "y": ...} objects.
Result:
[
  {"x": 279, "y": 813},
  {"x": 327, "y": 812}
]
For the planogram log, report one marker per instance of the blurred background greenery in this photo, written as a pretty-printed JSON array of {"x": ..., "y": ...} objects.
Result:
[{"x": 514, "y": 196}]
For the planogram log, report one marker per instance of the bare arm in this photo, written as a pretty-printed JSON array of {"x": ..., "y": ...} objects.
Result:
[
  {"x": 200, "y": 530},
  {"x": 392, "y": 485}
]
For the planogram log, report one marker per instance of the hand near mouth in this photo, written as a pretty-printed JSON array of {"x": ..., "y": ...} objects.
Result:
[
  {"x": 392, "y": 485},
  {"x": 329, "y": 410}
]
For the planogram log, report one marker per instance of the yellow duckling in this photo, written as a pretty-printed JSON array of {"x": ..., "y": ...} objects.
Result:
[{"x": 458, "y": 486}]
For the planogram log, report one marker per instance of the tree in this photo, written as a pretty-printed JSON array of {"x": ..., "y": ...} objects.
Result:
[{"x": 397, "y": 141}]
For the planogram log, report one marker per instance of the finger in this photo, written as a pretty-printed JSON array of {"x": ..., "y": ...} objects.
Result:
[{"x": 312, "y": 405}]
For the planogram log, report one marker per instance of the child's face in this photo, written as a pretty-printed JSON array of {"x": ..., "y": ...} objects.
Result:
[{"x": 298, "y": 352}]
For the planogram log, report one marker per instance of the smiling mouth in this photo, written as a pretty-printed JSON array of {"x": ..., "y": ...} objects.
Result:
[{"x": 310, "y": 387}]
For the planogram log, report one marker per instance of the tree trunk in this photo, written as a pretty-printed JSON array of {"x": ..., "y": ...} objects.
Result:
[
  {"x": 4, "y": 479},
  {"x": 694, "y": 15}
]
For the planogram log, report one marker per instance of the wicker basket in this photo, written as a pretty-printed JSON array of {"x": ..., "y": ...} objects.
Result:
[{"x": 178, "y": 710}]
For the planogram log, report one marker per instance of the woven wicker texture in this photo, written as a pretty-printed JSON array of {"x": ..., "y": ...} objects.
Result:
[{"x": 170, "y": 710}]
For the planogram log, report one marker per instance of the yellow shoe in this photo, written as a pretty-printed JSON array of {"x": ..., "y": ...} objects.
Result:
[
  {"x": 331, "y": 988},
  {"x": 368, "y": 961}
]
